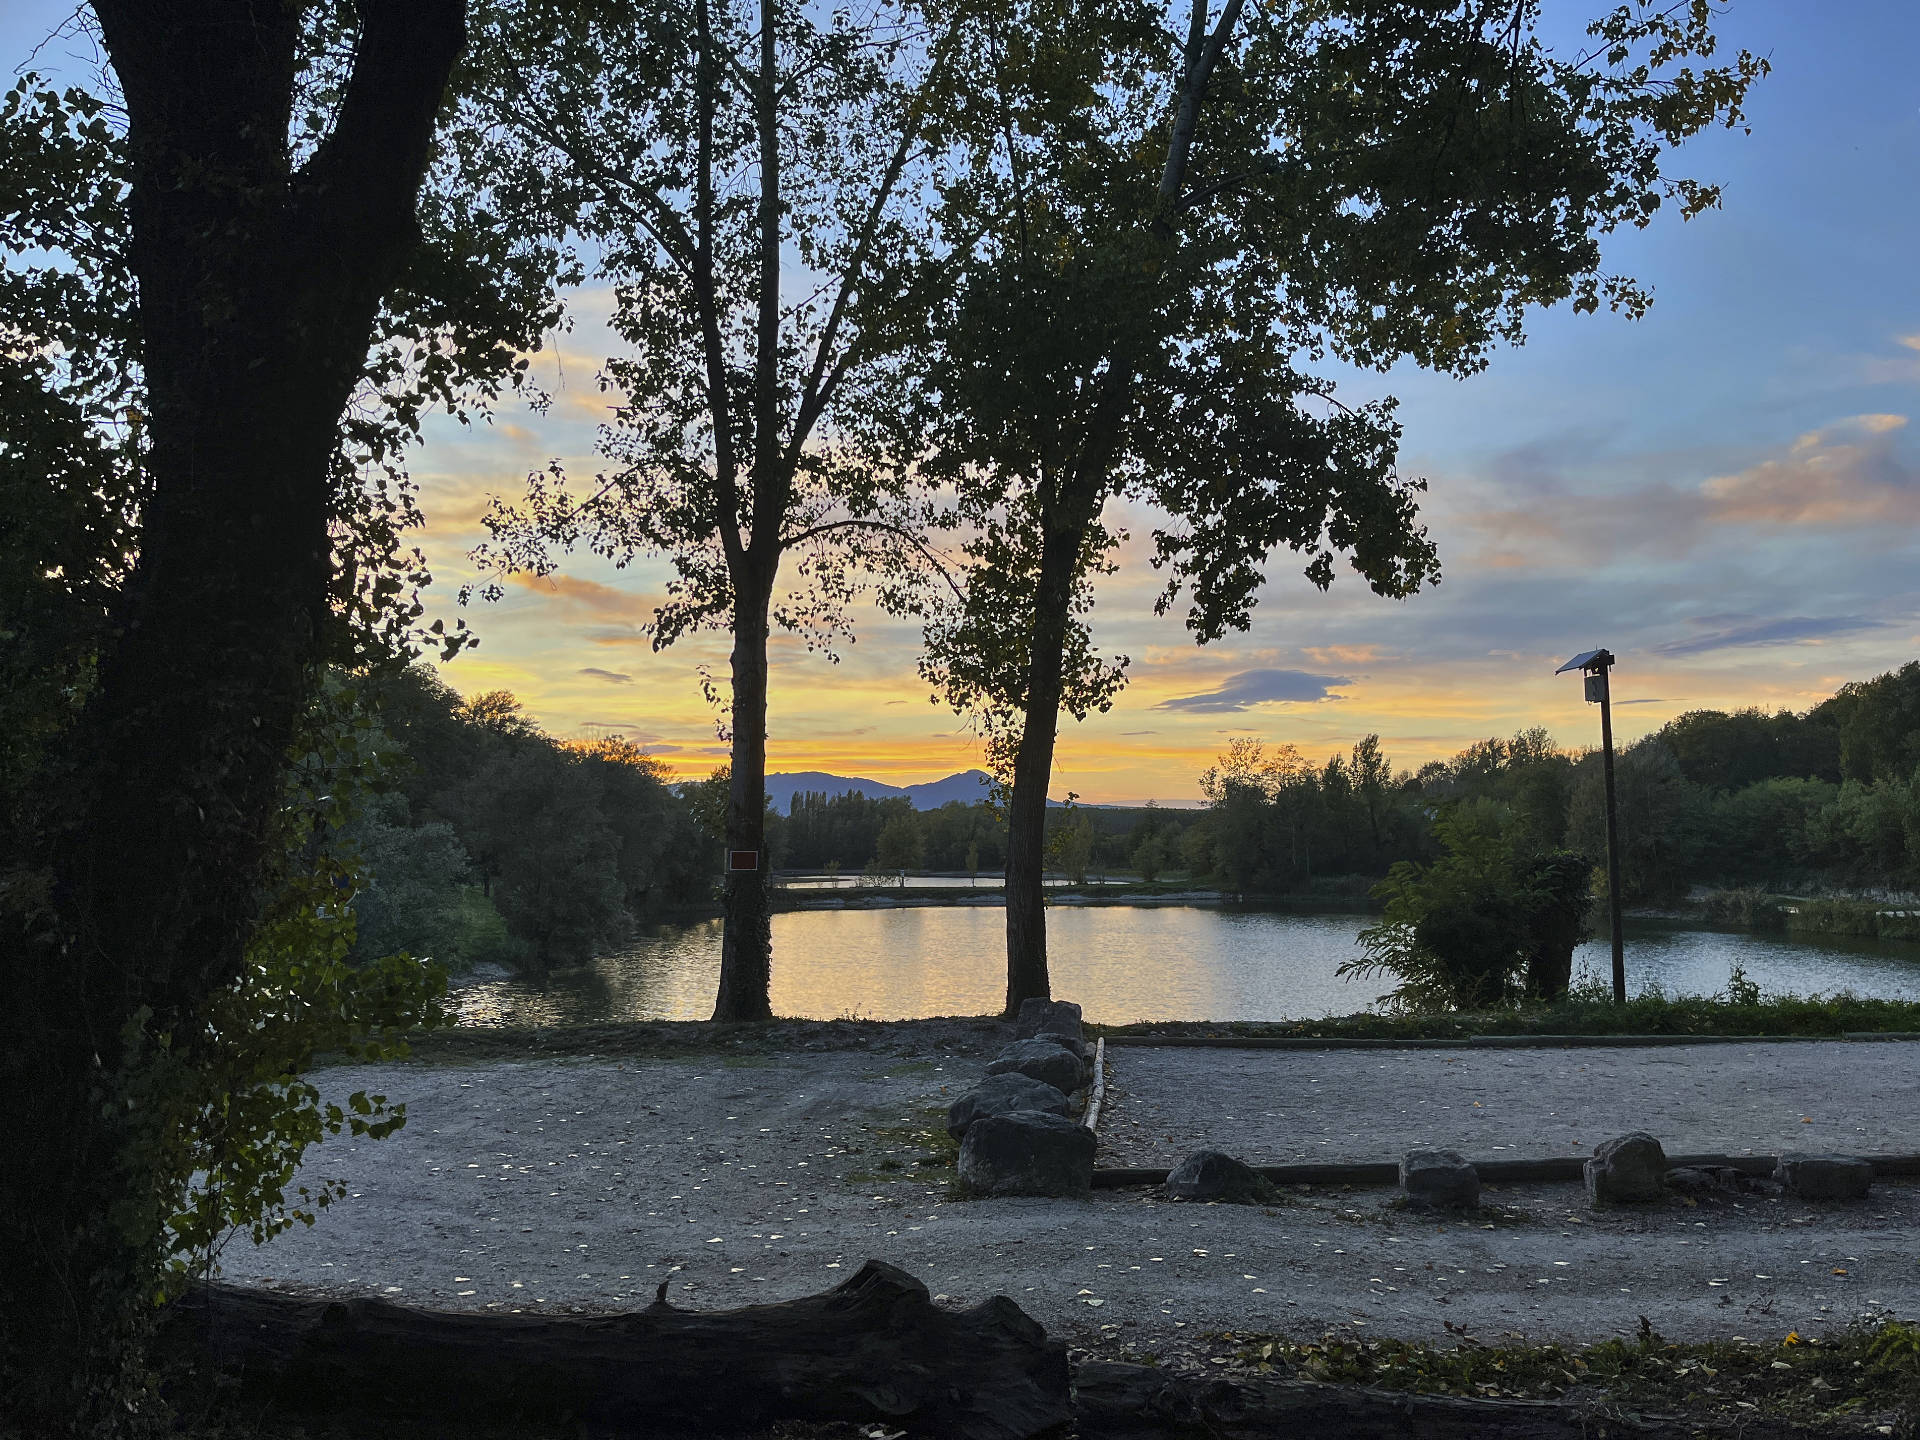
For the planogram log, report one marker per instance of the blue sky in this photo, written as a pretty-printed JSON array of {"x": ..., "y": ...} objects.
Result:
[{"x": 1725, "y": 493}]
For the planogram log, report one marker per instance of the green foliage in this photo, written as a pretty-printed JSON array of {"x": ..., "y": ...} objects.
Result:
[
  {"x": 1750, "y": 908},
  {"x": 1466, "y": 932},
  {"x": 502, "y": 845},
  {"x": 241, "y": 1114}
]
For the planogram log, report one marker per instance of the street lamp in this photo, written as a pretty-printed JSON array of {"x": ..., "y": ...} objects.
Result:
[{"x": 1595, "y": 664}]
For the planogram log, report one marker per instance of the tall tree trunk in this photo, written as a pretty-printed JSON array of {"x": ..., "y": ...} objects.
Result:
[
  {"x": 258, "y": 289},
  {"x": 1026, "y": 899},
  {"x": 746, "y": 945}
]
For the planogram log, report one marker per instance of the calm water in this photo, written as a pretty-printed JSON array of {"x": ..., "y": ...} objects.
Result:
[{"x": 1121, "y": 963}]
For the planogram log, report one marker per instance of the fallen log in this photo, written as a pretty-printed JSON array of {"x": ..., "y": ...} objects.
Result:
[
  {"x": 874, "y": 1349},
  {"x": 1138, "y": 1402}
]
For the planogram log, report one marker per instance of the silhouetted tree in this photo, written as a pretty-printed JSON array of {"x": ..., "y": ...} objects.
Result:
[
  {"x": 259, "y": 278},
  {"x": 1170, "y": 217}
]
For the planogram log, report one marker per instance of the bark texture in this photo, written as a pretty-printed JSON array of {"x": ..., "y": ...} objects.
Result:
[{"x": 875, "y": 1349}]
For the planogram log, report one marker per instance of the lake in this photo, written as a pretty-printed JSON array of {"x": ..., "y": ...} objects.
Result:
[{"x": 1122, "y": 963}]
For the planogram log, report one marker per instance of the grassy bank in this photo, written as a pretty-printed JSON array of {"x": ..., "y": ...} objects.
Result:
[
  {"x": 1742, "y": 1012},
  {"x": 1795, "y": 915}
]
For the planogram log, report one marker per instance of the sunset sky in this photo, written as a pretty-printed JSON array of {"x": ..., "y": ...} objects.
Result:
[{"x": 1725, "y": 494}]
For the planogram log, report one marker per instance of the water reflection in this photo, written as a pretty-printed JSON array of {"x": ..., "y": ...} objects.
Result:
[{"x": 1121, "y": 963}]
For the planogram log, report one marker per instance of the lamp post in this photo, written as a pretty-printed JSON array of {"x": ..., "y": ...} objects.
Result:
[{"x": 1595, "y": 665}]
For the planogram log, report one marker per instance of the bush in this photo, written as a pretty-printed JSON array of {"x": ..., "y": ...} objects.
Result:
[{"x": 1480, "y": 926}]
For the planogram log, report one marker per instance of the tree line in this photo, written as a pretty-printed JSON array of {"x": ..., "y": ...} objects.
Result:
[{"x": 1822, "y": 798}]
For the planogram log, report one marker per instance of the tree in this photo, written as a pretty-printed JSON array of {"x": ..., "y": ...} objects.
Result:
[
  {"x": 703, "y": 153},
  {"x": 131, "y": 903},
  {"x": 1170, "y": 227},
  {"x": 1484, "y": 924},
  {"x": 902, "y": 845}
]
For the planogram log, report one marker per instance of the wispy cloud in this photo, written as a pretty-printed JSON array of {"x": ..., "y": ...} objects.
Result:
[
  {"x": 578, "y": 593},
  {"x": 1258, "y": 687},
  {"x": 612, "y": 677},
  {"x": 1790, "y": 630},
  {"x": 1846, "y": 477}
]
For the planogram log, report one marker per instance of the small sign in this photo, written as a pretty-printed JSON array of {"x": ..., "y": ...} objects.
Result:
[{"x": 742, "y": 860}]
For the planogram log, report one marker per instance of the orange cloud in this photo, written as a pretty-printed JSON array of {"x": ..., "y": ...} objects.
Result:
[
  {"x": 1841, "y": 476},
  {"x": 607, "y": 602}
]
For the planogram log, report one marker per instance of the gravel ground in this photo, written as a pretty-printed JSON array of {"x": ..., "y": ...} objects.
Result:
[
  {"x": 585, "y": 1183},
  {"x": 1277, "y": 1107}
]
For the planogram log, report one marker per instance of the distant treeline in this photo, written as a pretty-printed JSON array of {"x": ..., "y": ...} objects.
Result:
[{"x": 1825, "y": 798}]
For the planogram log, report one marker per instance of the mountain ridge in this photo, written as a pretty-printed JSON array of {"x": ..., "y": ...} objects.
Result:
[{"x": 963, "y": 786}]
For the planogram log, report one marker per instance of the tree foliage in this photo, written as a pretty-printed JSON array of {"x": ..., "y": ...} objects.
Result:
[
  {"x": 1172, "y": 220},
  {"x": 1483, "y": 924}
]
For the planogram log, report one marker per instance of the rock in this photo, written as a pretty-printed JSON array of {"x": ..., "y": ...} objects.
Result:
[
  {"x": 1027, "y": 1152},
  {"x": 1002, "y": 1095},
  {"x": 1439, "y": 1180},
  {"x": 1210, "y": 1175},
  {"x": 1082, "y": 1048},
  {"x": 1061, "y": 1017},
  {"x": 1712, "y": 1180},
  {"x": 1626, "y": 1168},
  {"x": 1825, "y": 1177},
  {"x": 1045, "y": 1061}
]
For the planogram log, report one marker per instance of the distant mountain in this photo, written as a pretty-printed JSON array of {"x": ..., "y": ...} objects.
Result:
[{"x": 966, "y": 787}]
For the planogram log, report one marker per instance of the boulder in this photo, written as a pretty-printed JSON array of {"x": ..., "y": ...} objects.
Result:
[
  {"x": 1082, "y": 1048},
  {"x": 1027, "y": 1152},
  {"x": 1211, "y": 1175},
  {"x": 1439, "y": 1180},
  {"x": 1060, "y": 1017},
  {"x": 1045, "y": 1061},
  {"x": 1002, "y": 1095},
  {"x": 1625, "y": 1169},
  {"x": 1825, "y": 1177}
]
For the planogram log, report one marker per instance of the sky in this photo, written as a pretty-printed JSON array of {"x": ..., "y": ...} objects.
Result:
[{"x": 1724, "y": 493}]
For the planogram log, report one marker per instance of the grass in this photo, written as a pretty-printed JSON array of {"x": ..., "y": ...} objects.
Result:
[
  {"x": 1868, "y": 1376},
  {"x": 911, "y": 1149},
  {"x": 1743, "y": 1012}
]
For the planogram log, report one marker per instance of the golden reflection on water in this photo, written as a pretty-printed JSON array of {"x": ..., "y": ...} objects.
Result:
[{"x": 1122, "y": 964}]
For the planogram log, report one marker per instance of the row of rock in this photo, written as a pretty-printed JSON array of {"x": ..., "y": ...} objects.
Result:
[
  {"x": 1016, "y": 1128},
  {"x": 1631, "y": 1168},
  {"x": 1623, "y": 1171}
]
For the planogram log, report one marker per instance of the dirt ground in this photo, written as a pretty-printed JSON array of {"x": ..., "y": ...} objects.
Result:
[{"x": 745, "y": 1174}]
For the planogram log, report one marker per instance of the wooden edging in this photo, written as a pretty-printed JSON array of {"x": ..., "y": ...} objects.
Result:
[
  {"x": 1552, "y": 1169},
  {"x": 1099, "y": 1091},
  {"x": 1492, "y": 1042}
]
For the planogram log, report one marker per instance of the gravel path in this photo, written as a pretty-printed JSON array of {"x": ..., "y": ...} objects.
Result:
[
  {"x": 1276, "y": 1107},
  {"x": 583, "y": 1184}
]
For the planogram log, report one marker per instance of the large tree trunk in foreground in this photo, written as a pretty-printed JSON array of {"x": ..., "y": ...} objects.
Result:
[
  {"x": 258, "y": 286},
  {"x": 1135, "y": 1402},
  {"x": 875, "y": 1349}
]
